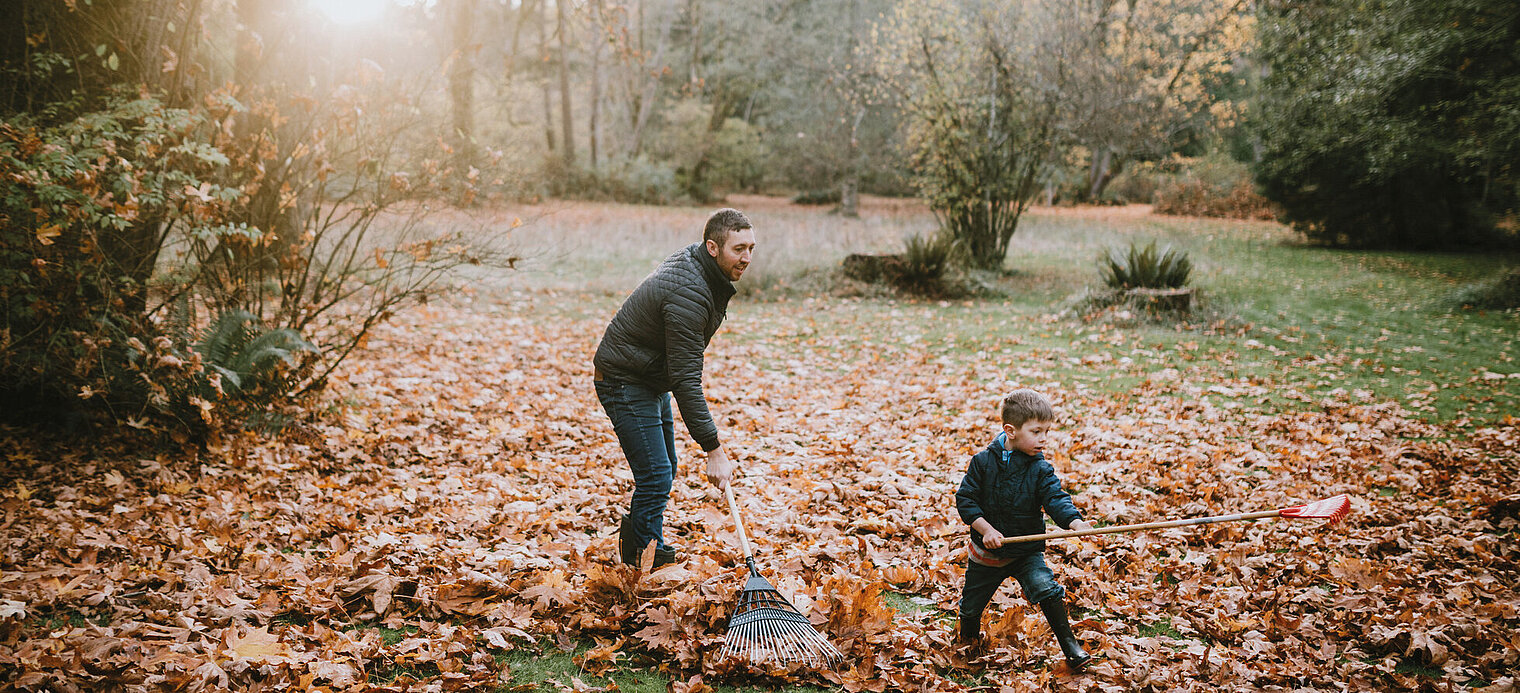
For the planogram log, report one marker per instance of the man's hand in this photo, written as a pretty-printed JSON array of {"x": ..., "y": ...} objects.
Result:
[
  {"x": 1080, "y": 525},
  {"x": 720, "y": 469}
]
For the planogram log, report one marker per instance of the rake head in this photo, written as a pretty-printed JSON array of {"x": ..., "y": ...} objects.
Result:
[
  {"x": 765, "y": 625},
  {"x": 1334, "y": 509}
]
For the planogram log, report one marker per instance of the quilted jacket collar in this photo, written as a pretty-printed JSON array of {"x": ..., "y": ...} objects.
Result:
[
  {"x": 999, "y": 447},
  {"x": 721, "y": 287}
]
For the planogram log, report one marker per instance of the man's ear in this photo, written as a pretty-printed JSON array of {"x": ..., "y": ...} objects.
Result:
[{"x": 712, "y": 247}]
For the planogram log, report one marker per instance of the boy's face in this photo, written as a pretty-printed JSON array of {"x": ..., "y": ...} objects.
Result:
[{"x": 1028, "y": 438}]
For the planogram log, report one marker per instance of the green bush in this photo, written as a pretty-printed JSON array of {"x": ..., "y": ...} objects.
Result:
[
  {"x": 1501, "y": 292},
  {"x": 83, "y": 208},
  {"x": 1391, "y": 123},
  {"x": 926, "y": 265},
  {"x": 826, "y": 196},
  {"x": 1137, "y": 268},
  {"x": 638, "y": 180}
]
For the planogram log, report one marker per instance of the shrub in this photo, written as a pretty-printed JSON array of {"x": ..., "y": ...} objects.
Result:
[
  {"x": 1196, "y": 198},
  {"x": 1208, "y": 186},
  {"x": 1145, "y": 268},
  {"x": 638, "y": 180},
  {"x": 1501, "y": 292},
  {"x": 83, "y": 210},
  {"x": 926, "y": 262},
  {"x": 826, "y": 196}
]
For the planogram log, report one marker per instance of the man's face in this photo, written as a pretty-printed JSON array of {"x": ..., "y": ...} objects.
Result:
[
  {"x": 1028, "y": 438},
  {"x": 733, "y": 257}
]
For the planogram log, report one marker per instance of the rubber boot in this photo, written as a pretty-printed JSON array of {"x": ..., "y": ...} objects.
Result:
[
  {"x": 970, "y": 631},
  {"x": 1055, "y": 614}
]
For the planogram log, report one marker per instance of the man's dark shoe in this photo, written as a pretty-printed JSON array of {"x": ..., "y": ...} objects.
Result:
[
  {"x": 628, "y": 551},
  {"x": 1055, "y": 613}
]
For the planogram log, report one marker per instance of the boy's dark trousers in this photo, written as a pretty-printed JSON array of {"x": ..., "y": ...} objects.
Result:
[{"x": 1039, "y": 586}]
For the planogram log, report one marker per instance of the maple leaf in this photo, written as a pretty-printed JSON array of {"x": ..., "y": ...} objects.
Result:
[
  {"x": 597, "y": 660},
  {"x": 554, "y": 589},
  {"x": 380, "y": 586},
  {"x": 664, "y": 629},
  {"x": 338, "y": 673},
  {"x": 258, "y": 645},
  {"x": 691, "y": 685}
]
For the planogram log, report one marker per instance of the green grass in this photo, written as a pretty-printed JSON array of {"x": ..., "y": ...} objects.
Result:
[
  {"x": 633, "y": 677},
  {"x": 1311, "y": 322},
  {"x": 1161, "y": 628},
  {"x": 903, "y": 603}
]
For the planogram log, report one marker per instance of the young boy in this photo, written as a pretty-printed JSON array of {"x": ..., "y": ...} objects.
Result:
[{"x": 1005, "y": 488}]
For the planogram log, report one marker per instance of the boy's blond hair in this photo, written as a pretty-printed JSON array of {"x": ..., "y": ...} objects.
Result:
[{"x": 1025, "y": 405}]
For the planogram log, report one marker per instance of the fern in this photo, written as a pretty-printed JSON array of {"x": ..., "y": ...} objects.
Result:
[
  {"x": 247, "y": 355},
  {"x": 226, "y": 336},
  {"x": 1145, "y": 268}
]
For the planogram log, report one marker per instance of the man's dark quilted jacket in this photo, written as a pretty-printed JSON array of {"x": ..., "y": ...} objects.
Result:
[
  {"x": 658, "y": 336},
  {"x": 1010, "y": 489}
]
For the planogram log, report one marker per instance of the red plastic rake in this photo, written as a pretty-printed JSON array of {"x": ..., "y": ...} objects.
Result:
[{"x": 1334, "y": 509}]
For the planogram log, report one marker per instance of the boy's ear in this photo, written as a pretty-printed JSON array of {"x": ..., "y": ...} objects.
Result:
[{"x": 1010, "y": 429}]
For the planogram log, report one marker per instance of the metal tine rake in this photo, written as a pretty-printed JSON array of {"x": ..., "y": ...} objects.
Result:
[
  {"x": 765, "y": 625},
  {"x": 1334, "y": 509}
]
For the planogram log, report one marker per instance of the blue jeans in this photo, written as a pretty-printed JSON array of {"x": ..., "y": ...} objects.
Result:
[
  {"x": 982, "y": 582},
  {"x": 646, "y": 430}
]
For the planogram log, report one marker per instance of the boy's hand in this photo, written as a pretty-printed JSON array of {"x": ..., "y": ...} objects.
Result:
[
  {"x": 719, "y": 468},
  {"x": 1080, "y": 525},
  {"x": 992, "y": 539}
]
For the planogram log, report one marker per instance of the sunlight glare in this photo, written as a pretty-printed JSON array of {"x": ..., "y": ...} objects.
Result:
[{"x": 351, "y": 11}]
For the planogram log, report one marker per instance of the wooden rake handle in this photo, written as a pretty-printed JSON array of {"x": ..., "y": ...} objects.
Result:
[
  {"x": 733, "y": 509},
  {"x": 1334, "y": 509},
  {"x": 1143, "y": 526}
]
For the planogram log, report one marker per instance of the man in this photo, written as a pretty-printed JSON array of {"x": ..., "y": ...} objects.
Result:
[{"x": 652, "y": 349}]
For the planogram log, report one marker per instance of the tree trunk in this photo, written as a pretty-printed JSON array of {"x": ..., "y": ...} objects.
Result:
[
  {"x": 849, "y": 191},
  {"x": 462, "y": 86},
  {"x": 1104, "y": 168},
  {"x": 592, "y": 133},
  {"x": 543, "y": 58},
  {"x": 567, "y": 133},
  {"x": 645, "y": 99}
]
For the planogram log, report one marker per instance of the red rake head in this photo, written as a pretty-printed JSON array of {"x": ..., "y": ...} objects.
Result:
[{"x": 1334, "y": 509}]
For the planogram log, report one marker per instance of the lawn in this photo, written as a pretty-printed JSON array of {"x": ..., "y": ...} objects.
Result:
[{"x": 448, "y": 521}]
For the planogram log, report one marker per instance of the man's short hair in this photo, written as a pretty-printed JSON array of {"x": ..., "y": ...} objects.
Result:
[
  {"x": 724, "y": 222},
  {"x": 1022, "y": 406}
]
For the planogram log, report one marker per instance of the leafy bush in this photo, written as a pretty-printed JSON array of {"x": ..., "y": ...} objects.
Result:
[
  {"x": 1501, "y": 292},
  {"x": 1214, "y": 185},
  {"x": 1391, "y": 123},
  {"x": 1196, "y": 198},
  {"x": 925, "y": 263},
  {"x": 638, "y": 180},
  {"x": 826, "y": 196},
  {"x": 84, "y": 206},
  {"x": 1145, "y": 268}
]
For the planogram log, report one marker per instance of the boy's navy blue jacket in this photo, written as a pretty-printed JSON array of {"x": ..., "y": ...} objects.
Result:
[{"x": 1010, "y": 488}]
